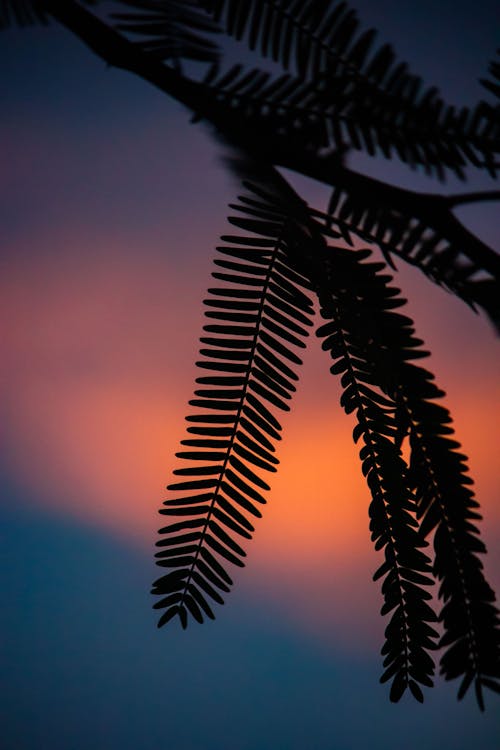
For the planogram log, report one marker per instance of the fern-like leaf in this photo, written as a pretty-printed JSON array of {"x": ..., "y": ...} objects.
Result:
[
  {"x": 422, "y": 231},
  {"x": 360, "y": 307},
  {"x": 446, "y": 506},
  {"x": 441, "y": 497},
  {"x": 257, "y": 318}
]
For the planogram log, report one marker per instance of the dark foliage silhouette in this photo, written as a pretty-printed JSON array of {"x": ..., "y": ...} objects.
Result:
[{"x": 336, "y": 92}]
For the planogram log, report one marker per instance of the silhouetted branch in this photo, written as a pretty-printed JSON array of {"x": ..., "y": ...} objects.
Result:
[
  {"x": 479, "y": 197},
  {"x": 261, "y": 310},
  {"x": 261, "y": 142}
]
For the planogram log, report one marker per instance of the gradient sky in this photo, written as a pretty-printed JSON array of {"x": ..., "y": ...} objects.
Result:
[{"x": 110, "y": 207}]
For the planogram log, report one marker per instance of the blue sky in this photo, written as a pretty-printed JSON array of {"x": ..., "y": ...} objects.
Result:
[
  {"x": 107, "y": 198},
  {"x": 85, "y": 667}
]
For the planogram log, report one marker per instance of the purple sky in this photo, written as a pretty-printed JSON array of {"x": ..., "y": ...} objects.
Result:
[{"x": 110, "y": 207}]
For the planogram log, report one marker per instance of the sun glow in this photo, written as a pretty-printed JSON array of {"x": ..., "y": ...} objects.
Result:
[{"x": 97, "y": 374}]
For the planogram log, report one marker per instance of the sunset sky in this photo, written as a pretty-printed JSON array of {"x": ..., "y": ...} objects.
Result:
[{"x": 111, "y": 204}]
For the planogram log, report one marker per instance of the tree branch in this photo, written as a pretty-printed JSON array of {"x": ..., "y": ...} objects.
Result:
[
  {"x": 257, "y": 138},
  {"x": 479, "y": 197}
]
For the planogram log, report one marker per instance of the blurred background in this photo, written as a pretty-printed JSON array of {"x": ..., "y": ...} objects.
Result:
[{"x": 111, "y": 205}]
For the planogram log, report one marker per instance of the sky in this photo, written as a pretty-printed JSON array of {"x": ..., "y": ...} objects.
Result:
[{"x": 111, "y": 204}]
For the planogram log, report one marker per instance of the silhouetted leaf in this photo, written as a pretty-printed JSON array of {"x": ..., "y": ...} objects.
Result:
[
  {"x": 201, "y": 601},
  {"x": 192, "y": 606},
  {"x": 416, "y": 691},
  {"x": 176, "y": 562},
  {"x": 256, "y": 447},
  {"x": 230, "y": 523},
  {"x": 248, "y": 473},
  {"x": 397, "y": 688},
  {"x": 216, "y": 566},
  {"x": 168, "y": 615},
  {"x": 269, "y": 395},
  {"x": 225, "y": 538},
  {"x": 252, "y": 458},
  {"x": 209, "y": 575},
  {"x": 239, "y": 498},
  {"x": 167, "y": 601}
]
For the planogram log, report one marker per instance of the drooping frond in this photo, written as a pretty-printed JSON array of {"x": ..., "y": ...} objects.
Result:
[
  {"x": 337, "y": 92},
  {"x": 359, "y": 308},
  {"x": 381, "y": 348},
  {"x": 422, "y": 231},
  {"x": 171, "y": 29},
  {"x": 257, "y": 317},
  {"x": 446, "y": 506}
]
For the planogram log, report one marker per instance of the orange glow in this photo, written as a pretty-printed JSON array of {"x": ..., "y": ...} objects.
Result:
[{"x": 97, "y": 373}]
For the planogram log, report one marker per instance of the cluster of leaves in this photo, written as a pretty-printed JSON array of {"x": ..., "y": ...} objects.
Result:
[
  {"x": 374, "y": 349},
  {"x": 336, "y": 88},
  {"x": 258, "y": 318},
  {"x": 336, "y": 92}
]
